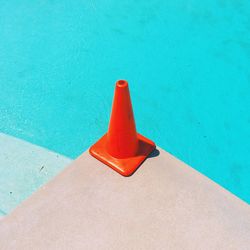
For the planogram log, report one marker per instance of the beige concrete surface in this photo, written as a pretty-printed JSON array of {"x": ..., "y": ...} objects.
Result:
[{"x": 164, "y": 205}]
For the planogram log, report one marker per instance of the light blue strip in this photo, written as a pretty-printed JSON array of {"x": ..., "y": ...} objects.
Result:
[{"x": 24, "y": 168}]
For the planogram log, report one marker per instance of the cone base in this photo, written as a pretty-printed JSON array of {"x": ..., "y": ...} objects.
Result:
[{"x": 125, "y": 166}]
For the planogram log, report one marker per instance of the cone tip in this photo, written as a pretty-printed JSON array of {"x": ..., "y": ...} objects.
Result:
[{"x": 122, "y": 84}]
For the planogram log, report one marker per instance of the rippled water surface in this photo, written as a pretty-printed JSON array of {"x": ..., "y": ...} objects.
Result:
[{"x": 187, "y": 63}]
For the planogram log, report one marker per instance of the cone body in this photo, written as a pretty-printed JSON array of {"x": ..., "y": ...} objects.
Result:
[
  {"x": 121, "y": 148},
  {"x": 122, "y": 139}
]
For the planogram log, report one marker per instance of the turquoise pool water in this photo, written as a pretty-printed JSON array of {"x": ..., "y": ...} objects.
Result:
[{"x": 187, "y": 62}]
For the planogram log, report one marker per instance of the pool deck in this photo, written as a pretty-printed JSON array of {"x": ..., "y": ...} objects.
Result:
[{"x": 164, "y": 205}]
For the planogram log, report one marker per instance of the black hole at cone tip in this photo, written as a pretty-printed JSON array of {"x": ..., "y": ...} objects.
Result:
[{"x": 122, "y": 83}]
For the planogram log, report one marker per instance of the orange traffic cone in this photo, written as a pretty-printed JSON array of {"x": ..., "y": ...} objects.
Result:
[{"x": 122, "y": 148}]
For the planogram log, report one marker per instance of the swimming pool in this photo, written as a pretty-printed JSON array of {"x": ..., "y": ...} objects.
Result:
[{"x": 187, "y": 63}]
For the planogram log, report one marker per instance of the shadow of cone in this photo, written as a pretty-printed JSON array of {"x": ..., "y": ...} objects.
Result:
[{"x": 122, "y": 148}]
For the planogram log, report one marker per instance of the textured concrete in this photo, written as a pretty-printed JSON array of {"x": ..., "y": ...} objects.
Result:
[{"x": 164, "y": 205}]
